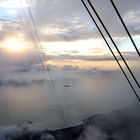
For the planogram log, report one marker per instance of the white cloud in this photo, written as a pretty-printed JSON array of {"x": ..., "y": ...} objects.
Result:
[
  {"x": 91, "y": 133},
  {"x": 12, "y": 4},
  {"x": 132, "y": 17}
]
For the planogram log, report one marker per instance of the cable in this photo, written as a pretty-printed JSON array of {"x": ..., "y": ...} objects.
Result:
[
  {"x": 111, "y": 51},
  {"x": 41, "y": 61},
  {"x": 54, "y": 95},
  {"x": 113, "y": 4},
  {"x": 32, "y": 36},
  {"x": 113, "y": 42},
  {"x": 46, "y": 68}
]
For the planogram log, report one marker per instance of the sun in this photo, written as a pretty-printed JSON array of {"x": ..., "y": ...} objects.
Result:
[{"x": 14, "y": 45}]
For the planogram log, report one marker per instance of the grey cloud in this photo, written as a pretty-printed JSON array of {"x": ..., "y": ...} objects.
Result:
[
  {"x": 10, "y": 23},
  {"x": 69, "y": 67},
  {"x": 21, "y": 62},
  {"x": 120, "y": 124},
  {"x": 92, "y": 132},
  {"x": 127, "y": 55},
  {"x": 73, "y": 17},
  {"x": 81, "y": 57},
  {"x": 20, "y": 83},
  {"x": 98, "y": 73},
  {"x": 72, "y": 20},
  {"x": 72, "y": 32},
  {"x": 89, "y": 72},
  {"x": 110, "y": 18},
  {"x": 63, "y": 15},
  {"x": 72, "y": 35},
  {"x": 115, "y": 125},
  {"x": 13, "y": 83},
  {"x": 40, "y": 81},
  {"x": 22, "y": 69},
  {"x": 8, "y": 28}
]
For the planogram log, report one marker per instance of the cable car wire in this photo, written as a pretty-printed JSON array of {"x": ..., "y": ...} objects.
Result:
[
  {"x": 111, "y": 50},
  {"x": 113, "y": 42},
  {"x": 113, "y": 4},
  {"x": 46, "y": 68},
  {"x": 32, "y": 36}
]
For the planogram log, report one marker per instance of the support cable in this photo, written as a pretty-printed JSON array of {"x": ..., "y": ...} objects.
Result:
[
  {"x": 117, "y": 11},
  {"x": 113, "y": 42},
  {"x": 32, "y": 36},
  {"x": 111, "y": 51},
  {"x": 46, "y": 68}
]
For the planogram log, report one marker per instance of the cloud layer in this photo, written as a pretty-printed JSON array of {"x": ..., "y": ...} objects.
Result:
[
  {"x": 20, "y": 83},
  {"x": 69, "y": 21}
]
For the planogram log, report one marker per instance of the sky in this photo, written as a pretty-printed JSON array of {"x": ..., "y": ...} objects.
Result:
[
  {"x": 68, "y": 42},
  {"x": 65, "y": 29}
]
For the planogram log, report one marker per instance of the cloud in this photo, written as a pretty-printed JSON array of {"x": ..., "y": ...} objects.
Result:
[
  {"x": 25, "y": 130},
  {"x": 22, "y": 69},
  {"x": 69, "y": 68},
  {"x": 13, "y": 83},
  {"x": 9, "y": 22},
  {"x": 63, "y": 21},
  {"x": 21, "y": 62},
  {"x": 91, "y": 133},
  {"x": 71, "y": 21},
  {"x": 38, "y": 82},
  {"x": 21, "y": 83},
  {"x": 91, "y": 71},
  {"x": 127, "y": 55},
  {"x": 117, "y": 125}
]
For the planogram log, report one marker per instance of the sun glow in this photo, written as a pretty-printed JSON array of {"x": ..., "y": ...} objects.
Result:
[{"x": 14, "y": 45}]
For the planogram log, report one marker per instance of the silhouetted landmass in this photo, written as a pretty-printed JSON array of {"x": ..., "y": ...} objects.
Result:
[{"x": 121, "y": 124}]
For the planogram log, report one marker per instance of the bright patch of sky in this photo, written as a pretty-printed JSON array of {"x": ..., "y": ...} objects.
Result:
[
  {"x": 68, "y": 30},
  {"x": 12, "y": 4},
  {"x": 81, "y": 47},
  {"x": 8, "y": 14},
  {"x": 126, "y": 45},
  {"x": 9, "y": 9}
]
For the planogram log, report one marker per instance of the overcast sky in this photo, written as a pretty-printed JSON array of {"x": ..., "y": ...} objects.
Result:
[{"x": 65, "y": 29}]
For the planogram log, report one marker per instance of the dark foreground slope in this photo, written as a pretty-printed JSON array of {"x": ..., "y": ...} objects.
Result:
[{"x": 118, "y": 125}]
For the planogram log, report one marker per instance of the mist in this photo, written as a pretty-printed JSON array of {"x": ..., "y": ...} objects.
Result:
[{"x": 28, "y": 95}]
